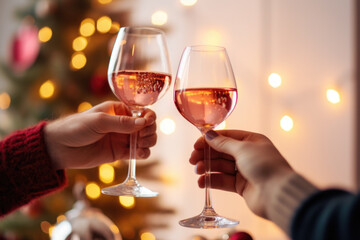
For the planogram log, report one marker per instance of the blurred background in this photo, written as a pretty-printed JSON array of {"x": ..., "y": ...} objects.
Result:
[{"x": 294, "y": 64}]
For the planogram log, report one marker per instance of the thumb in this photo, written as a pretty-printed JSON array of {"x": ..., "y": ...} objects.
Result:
[
  {"x": 222, "y": 143},
  {"x": 106, "y": 123}
]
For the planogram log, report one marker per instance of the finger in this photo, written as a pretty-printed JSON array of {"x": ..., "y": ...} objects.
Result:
[
  {"x": 106, "y": 123},
  {"x": 196, "y": 156},
  {"x": 147, "y": 142},
  {"x": 223, "y": 144},
  {"x": 217, "y": 165},
  {"x": 142, "y": 153},
  {"x": 219, "y": 181},
  {"x": 150, "y": 116},
  {"x": 110, "y": 107},
  {"x": 147, "y": 131}
]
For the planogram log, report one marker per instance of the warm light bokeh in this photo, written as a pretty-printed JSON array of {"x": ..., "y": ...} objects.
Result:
[
  {"x": 333, "y": 96},
  {"x": 167, "y": 126},
  {"x": 188, "y": 2},
  {"x": 286, "y": 123},
  {"x": 87, "y": 27},
  {"x": 47, "y": 89},
  {"x": 274, "y": 80},
  {"x": 45, "y": 34},
  {"x": 78, "y": 60},
  {"x": 106, "y": 173},
  {"x": 79, "y": 43},
  {"x": 159, "y": 18},
  {"x": 104, "y": 24},
  {"x": 84, "y": 106},
  {"x": 92, "y": 190},
  {"x": 147, "y": 236},
  {"x": 127, "y": 201},
  {"x": 5, "y": 101}
]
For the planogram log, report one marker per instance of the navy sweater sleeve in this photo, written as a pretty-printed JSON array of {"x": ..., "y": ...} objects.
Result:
[{"x": 327, "y": 215}]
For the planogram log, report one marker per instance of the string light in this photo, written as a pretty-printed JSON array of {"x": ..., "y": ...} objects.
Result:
[
  {"x": 87, "y": 27},
  {"x": 333, "y": 96},
  {"x": 79, "y": 43},
  {"x": 60, "y": 218},
  {"x": 78, "y": 60},
  {"x": 188, "y": 2},
  {"x": 92, "y": 190},
  {"x": 147, "y": 236},
  {"x": 167, "y": 126},
  {"x": 45, "y": 226},
  {"x": 114, "y": 229},
  {"x": 45, "y": 34},
  {"x": 103, "y": 24},
  {"x": 84, "y": 106},
  {"x": 159, "y": 18},
  {"x": 47, "y": 89},
  {"x": 127, "y": 201},
  {"x": 274, "y": 80},
  {"x": 5, "y": 101},
  {"x": 106, "y": 173},
  {"x": 286, "y": 123}
]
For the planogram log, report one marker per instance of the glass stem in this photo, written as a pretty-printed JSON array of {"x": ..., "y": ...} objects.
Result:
[
  {"x": 133, "y": 144},
  {"x": 208, "y": 204}
]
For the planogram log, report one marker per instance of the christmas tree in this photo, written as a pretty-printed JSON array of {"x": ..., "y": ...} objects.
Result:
[{"x": 58, "y": 66}]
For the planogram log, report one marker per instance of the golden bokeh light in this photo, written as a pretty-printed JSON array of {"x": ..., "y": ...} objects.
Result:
[
  {"x": 5, "y": 100},
  {"x": 274, "y": 80},
  {"x": 79, "y": 43},
  {"x": 286, "y": 123},
  {"x": 87, "y": 27},
  {"x": 212, "y": 37},
  {"x": 47, "y": 89},
  {"x": 159, "y": 18},
  {"x": 333, "y": 96},
  {"x": 104, "y": 24},
  {"x": 78, "y": 60},
  {"x": 147, "y": 236},
  {"x": 92, "y": 190},
  {"x": 127, "y": 201},
  {"x": 167, "y": 126},
  {"x": 188, "y": 2},
  {"x": 104, "y": 1},
  {"x": 84, "y": 106},
  {"x": 45, "y": 34},
  {"x": 106, "y": 173},
  {"x": 60, "y": 218}
]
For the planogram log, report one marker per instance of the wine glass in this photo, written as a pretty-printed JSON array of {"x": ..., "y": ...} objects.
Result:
[
  {"x": 139, "y": 74},
  {"x": 205, "y": 94}
]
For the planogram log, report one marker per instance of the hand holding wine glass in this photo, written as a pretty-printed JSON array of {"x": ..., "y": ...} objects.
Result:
[
  {"x": 205, "y": 94},
  {"x": 139, "y": 74}
]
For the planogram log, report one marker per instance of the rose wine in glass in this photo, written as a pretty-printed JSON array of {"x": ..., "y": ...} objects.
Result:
[
  {"x": 205, "y": 94},
  {"x": 139, "y": 74}
]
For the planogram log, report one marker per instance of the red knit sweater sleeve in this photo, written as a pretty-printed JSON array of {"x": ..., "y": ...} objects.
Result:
[{"x": 25, "y": 169}]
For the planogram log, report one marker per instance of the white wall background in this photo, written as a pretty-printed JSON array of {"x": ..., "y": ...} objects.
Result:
[{"x": 309, "y": 43}]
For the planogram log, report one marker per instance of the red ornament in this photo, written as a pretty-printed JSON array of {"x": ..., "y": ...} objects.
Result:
[
  {"x": 99, "y": 85},
  {"x": 240, "y": 236},
  {"x": 25, "y": 47}
]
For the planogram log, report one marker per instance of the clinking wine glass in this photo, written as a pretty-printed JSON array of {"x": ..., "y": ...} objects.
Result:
[
  {"x": 139, "y": 74},
  {"x": 205, "y": 94}
]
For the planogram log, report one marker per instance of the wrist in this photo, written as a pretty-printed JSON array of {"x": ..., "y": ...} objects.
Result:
[
  {"x": 50, "y": 143},
  {"x": 288, "y": 191}
]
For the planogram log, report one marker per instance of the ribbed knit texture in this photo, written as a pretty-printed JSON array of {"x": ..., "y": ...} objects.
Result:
[
  {"x": 25, "y": 169},
  {"x": 287, "y": 198}
]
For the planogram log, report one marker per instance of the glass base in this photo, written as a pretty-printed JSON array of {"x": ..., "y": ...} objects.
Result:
[
  {"x": 208, "y": 219},
  {"x": 129, "y": 188}
]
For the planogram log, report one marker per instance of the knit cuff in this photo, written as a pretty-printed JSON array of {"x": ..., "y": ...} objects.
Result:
[
  {"x": 26, "y": 168},
  {"x": 287, "y": 198}
]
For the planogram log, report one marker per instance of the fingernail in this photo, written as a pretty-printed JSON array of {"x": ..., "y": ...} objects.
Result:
[
  {"x": 210, "y": 135},
  {"x": 140, "y": 121}
]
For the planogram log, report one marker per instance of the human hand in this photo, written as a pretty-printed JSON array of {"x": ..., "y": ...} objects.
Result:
[
  {"x": 260, "y": 166},
  {"x": 99, "y": 135}
]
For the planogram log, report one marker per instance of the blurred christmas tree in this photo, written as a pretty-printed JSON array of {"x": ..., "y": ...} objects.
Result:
[{"x": 58, "y": 65}]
